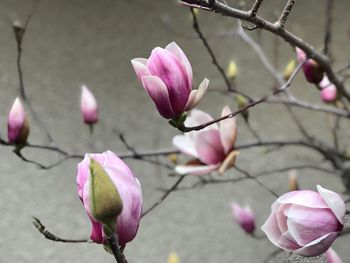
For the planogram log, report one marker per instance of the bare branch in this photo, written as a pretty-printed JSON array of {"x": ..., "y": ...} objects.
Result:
[
  {"x": 255, "y": 7},
  {"x": 48, "y": 235},
  {"x": 286, "y": 11}
]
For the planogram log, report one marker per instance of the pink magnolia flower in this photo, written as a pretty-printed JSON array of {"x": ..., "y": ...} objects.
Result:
[
  {"x": 329, "y": 90},
  {"x": 17, "y": 123},
  {"x": 244, "y": 216},
  {"x": 129, "y": 190},
  {"x": 305, "y": 222},
  {"x": 88, "y": 106},
  {"x": 312, "y": 70},
  {"x": 167, "y": 77},
  {"x": 210, "y": 146},
  {"x": 332, "y": 256}
]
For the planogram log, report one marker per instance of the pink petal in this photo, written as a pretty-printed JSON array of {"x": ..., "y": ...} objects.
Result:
[
  {"x": 208, "y": 146},
  {"x": 301, "y": 56},
  {"x": 185, "y": 145},
  {"x": 196, "y": 95},
  {"x": 112, "y": 160},
  {"x": 307, "y": 224},
  {"x": 305, "y": 198},
  {"x": 96, "y": 232},
  {"x": 244, "y": 217},
  {"x": 177, "y": 51},
  {"x": 172, "y": 72},
  {"x": 329, "y": 94},
  {"x": 332, "y": 256},
  {"x": 228, "y": 130},
  {"x": 334, "y": 201},
  {"x": 140, "y": 67},
  {"x": 271, "y": 229},
  {"x": 318, "y": 246},
  {"x": 159, "y": 94},
  {"x": 286, "y": 241},
  {"x": 195, "y": 169},
  {"x": 198, "y": 117}
]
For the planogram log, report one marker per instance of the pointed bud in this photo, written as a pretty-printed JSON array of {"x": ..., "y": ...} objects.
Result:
[
  {"x": 289, "y": 69},
  {"x": 244, "y": 217},
  {"x": 293, "y": 181},
  {"x": 173, "y": 258},
  {"x": 231, "y": 71},
  {"x": 312, "y": 70},
  {"x": 17, "y": 124},
  {"x": 105, "y": 202},
  {"x": 332, "y": 256},
  {"x": 19, "y": 30},
  {"x": 88, "y": 106},
  {"x": 242, "y": 102}
]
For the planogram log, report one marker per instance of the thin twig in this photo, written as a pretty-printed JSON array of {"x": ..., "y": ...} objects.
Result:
[
  {"x": 328, "y": 28},
  {"x": 255, "y": 7},
  {"x": 48, "y": 235},
  {"x": 285, "y": 13}
]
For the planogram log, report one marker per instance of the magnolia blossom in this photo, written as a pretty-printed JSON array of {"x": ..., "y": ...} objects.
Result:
[
  {"x": 88, "y": 106},
  {"x": 329, "y": 90},
  {"x": 244, "y": 216},
  {"x": 212, "y": 147},
  {"x": 312, "y": 70},
  {"x": 167, "y": 77},
  {"x": 332, "y": 256},
  {"x": 306, "y": 222},
  {"x": 17, "y": 123},
  {"x": 128, "y": 188}
]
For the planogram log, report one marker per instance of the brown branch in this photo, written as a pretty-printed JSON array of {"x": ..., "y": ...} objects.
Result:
[
  {"x": 255, "y": 7},
  {"x": 48, "y": 235},
  {"x": 328, "y": 28},
  {"x": 285, "y": 13}
]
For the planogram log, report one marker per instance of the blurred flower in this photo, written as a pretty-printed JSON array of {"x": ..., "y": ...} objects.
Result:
[
  {"x": 329, "y": 90},
  {"x": 231, "y": 71},
  {"x": 332, "y": 257},
  {"x": 213, "y": 147},
  {"x": 306, "y": 222},
  {"x": 173, "y": 258},
  {"x": 88, "y": 106},
  {"x": 17, "y": 124},
  {"x": 244, "y": 217},
  {"x": 288, "y": 71},
  {"x": 312, "y": 70},
  {"x": 293, "y": 181},
  {"x": 129, "y": 190},
  {"x": 167, "y": 77}
]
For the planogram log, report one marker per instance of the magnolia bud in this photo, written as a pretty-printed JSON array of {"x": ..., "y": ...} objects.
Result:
[
  {"x": 88, "y": 106},
  {"x": 328, "y": 90},
  {"x": 242, "y": 102},
  {"x": 231, "y": 71},
  {"x": 312, "y": 70},
  {"x": 289, "y": 69},
  {"x": 105, "y": 202},
  {"x": 293, "y": 181},
  {"x": 17, "y": 124},
  {"x": 173, "y": 258},
  {"x": 244, "y": 217},
  {"x": 19, "y": 30}
]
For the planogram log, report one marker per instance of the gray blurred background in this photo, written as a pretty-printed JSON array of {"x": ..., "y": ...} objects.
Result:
[{"x": 70, "y": 42}]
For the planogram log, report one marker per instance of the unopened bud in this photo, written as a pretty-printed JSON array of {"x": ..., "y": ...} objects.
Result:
[
  {"x": 289, "y": 69},
  {"x": 244, "y": 217},
  {"x": 19, "y": 30},
  {"x": 88, "y": 106},
  {"x": 293, "y": 181},
  {"x": 312, "y": 70},
  {"x": 231, "y": 71},
  {"x": 242, "y": 102},
  {"x": 17, "y": 124},
  {"x": 105, "y": 202},
  {"x": 173, "y": 258}
]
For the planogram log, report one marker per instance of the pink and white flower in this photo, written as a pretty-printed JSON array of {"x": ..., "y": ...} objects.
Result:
[
  {"x": 211, "y": 147},
  {"x": 128, "y": 188},
  {"x": 17, "y": 124},
  {"x": 306, "y": 222},
  {"x": 312, "y": 70},
  {"x": 167, "y": 77}
]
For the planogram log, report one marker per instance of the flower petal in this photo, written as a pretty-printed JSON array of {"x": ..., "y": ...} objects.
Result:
[
  {"x": 334, "y": 201},
  {"x": 172, "y": 72},
  {"x": 195, "y": 169},
  {"x": 299, "y": 197},
  {"x": 196, "y": 95},
  {"x": 140, "y": 67},
  {"x": 318, "y": 246},
  {"x": 177, "y": 51},
  {"x": 185, "y": 144},
  {"x": 208, "y": 146},
  {"x": 198, "y": 117},
  {"x": 271, "y": 229},
  {"x": 307, "y": 224},
  {"x": 228, "y": 130},
  {"x": 332, "y": 256},
  {"x": 159, "y": 94}
]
